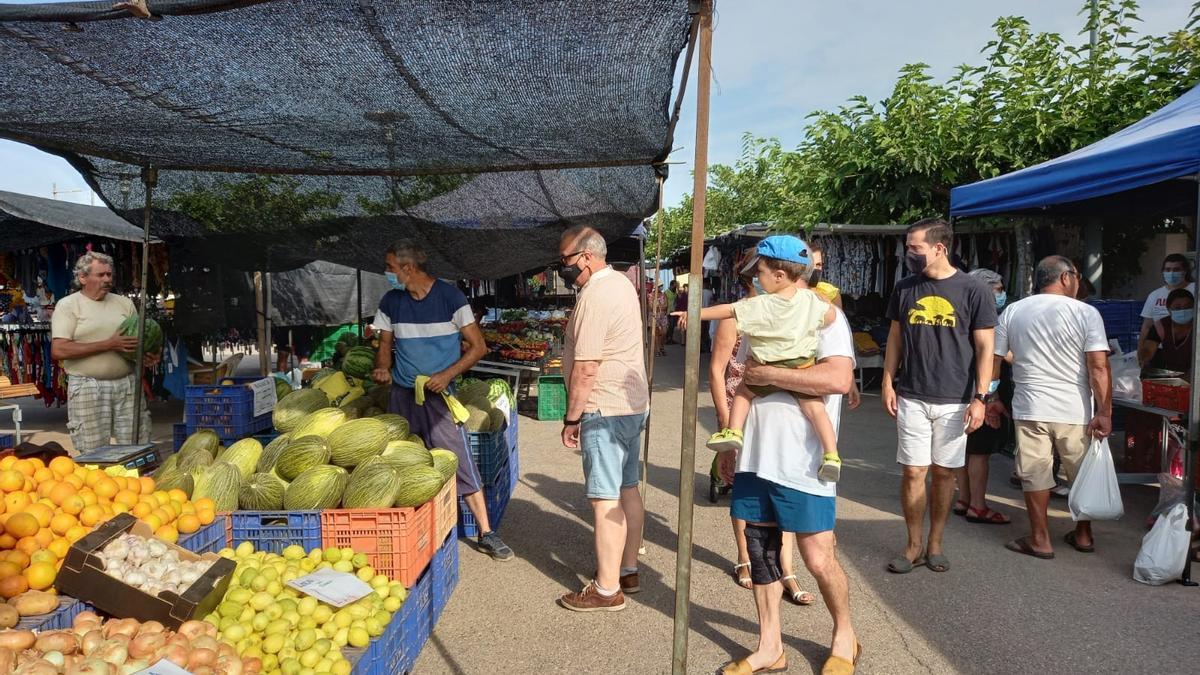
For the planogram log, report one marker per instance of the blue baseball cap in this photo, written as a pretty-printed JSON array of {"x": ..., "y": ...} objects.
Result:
[{"x": 780, "y": 247}]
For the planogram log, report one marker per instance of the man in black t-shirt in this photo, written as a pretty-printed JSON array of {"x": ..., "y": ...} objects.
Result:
[{"x": 936, "y": 379}]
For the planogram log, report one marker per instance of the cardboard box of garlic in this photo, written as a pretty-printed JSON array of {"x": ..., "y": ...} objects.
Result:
[{"x": 125, "y": 571}]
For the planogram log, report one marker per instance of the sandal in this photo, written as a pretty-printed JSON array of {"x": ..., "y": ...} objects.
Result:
[
  {"x": 987, "y": 516},
  {"x": 743, "y": 667},
  {"x": 836, "y": 665},
  {"x": 797, "y": 597},
  {"x": 1021, "y": 545},
  {"x": 744, "y": 581},
  {"x": 938, "y": 562},
  {"x": 961, "y": 508},
  {"x": 902, "y": 565},
  {"x": 1070, "y": 539}
]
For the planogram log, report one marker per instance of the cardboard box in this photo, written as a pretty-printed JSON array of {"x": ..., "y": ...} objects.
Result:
[{"x": 82, "y": 576}]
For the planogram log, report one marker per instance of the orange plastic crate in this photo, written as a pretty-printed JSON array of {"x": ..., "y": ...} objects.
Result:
[
  {"x": 445, "y": 510},
  {"x": 399, "y": 542}
]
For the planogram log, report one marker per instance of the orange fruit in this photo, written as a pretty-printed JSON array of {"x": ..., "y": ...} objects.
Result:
[
  {"x": 188, "y": 524},
  {"x": 205, "y": 503},
  {"x": 37, "y": 463},
  {"x": 7, "y": 542},
  {"x": 206, "y": 516},
  {"x": 74, "y": 481},
  {"x": 11, "y": 480},
  {"x": 188, "y": 507},
  {"x": 43, "y": 475},
  {"x": 28, "y": 545},
  {"x": 22, "y": 525},
  {"x": 93, "y": 476},
  {"x": 153, "y": 521},
  {"x": 16, "y": 502},
  {"x": 119, "y": 508},
  {"x": 105, "y": 488},
  {"x": 42, "y": 556},
  {"x": 44, "y": 537},
  {"x": 62, "y": 466},
  {"x": 62, "y": 522},
  {"x": 167, "y": 534},
  {"x": 21, "y": 558},
  {"x": 59, "y": 547},
  {"x": 7, "y": 461},
  {"x": 62, "y": 492},
  {"x": 161, "y": 497},
  {"x": 147, "y": 484},
  {"x": 73, "y": 505},
  {"x": 89, "y": 496},
  {"x": 42, "y": 512},
  {"x": 9, "y": 568},
  {"x": 177, "y": 495},
  {"x": 24, "y": 466},
  {"x": 91, "y": 515},
  {"x": 29, "y": 487},
  {"x": 164, "y": 514},
  {"x": 45, "y": 488},
  {"x": 11, "y": 587},
  {"x": 76, "y": 533},
  {"x": 141, "y": 510},
  {"x": 126, "y": 497}
]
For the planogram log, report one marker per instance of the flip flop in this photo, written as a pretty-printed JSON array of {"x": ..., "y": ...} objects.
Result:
[
  {"x": 961, "y": 508},
  {"x": 938, "y": 563},
  {"x": 902, "y": 565},
  {"x": 1070, "y": 539},
  {"x": 1022, "y": 545},
  {"x": 836, "y": 665},
  {"x": 987, "y": 517}
]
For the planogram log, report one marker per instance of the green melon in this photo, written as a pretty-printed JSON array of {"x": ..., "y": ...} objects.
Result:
[
  {"x": 271, "y": 453},
  {"x": 220, "y": 482},
  {"x": 372, "y": 485},
  {"x": 290, "y": 411},
  {"x": 417, "y": 485},
  {"x": 401, "y": 454},
  {"x": 320, "y": 487},
  {"x": 356, "y": 440},
  {"x": 262, "y": 492},
  {"x": 194, "y": 458},
  {"x": 319, "y": 423},
  {"x": 358, "y": 362},
  {"x": 301, "y": 455},
  {"x": 445, "y": 461},
  {"x": 152, "y": 342},
  {"x": 244, "y": 455},
  {"x": 205, "y": 439}
]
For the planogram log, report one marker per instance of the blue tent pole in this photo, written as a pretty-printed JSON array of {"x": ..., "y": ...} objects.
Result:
[{"x": 1193, "y": 442}]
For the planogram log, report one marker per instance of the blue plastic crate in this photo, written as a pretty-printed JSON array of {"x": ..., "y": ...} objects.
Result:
[
  {"x": 264, "y": 439},
  {"x": 495, "y": 497},
  {"x": 228, "y": 410},
  {"x": 514, "y": 469},
  {"x": 489, "y": 449},
  {"x": 276, "y": 530},
  {"x": 511, "y": 431},
  {"x": 208, "y": 539},
  {"x": 445, "y": 577},
  {"x": 7, "y": 441},
  {"x": 179, "y": 434},
  {"x": 416, "y": 623}
]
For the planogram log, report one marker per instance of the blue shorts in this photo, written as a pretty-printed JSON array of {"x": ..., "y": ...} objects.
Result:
[
  {"x": 757, "y": 500},
  {"x": 611, "y": 447}
]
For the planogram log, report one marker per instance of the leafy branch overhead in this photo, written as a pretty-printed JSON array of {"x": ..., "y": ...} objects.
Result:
[{"x": 1034, "y": 96}]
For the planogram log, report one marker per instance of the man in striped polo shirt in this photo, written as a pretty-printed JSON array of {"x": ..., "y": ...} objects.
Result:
[{"x": 426, "y": 327}]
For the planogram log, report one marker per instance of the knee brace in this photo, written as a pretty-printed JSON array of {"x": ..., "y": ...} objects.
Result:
[{"x": 764, "y": 543}]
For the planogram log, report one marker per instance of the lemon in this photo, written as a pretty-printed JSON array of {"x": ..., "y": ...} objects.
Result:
[
  {"x": 332, "y": 555},
  {"x": 273, "y": 644},
  {"x": 323, "y": 646},
  {"x": 244, "y": 550},
  {"x": 392, "y": 604},
  {"x": 293, "y": 552},
  {"x": 359, "y": 637}
]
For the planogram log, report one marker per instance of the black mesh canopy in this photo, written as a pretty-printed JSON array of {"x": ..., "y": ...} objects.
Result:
[{"x": 570, "y": 100}]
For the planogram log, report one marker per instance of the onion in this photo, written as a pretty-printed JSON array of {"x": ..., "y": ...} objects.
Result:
[
  {"x": 151, "y": 627},
  {"x": 127, "y": 627},
  {"x": 143, "y": 646},
  {"x": 206, "y": 642},
  {"x": 252, "y": 665},
  {"x": 56, "y": 658},
  {"x": 58, "y": 641},
  {"x": 132, "y": 667},
  {"x": 8, "y": 659},
  {"x": 201, "y": 658},
  {"x": 112, "y": 651},
  {"x": 177, "y": 654},
  {"x": 194, "y": 629},
  {"x": 91, "y": 641}
]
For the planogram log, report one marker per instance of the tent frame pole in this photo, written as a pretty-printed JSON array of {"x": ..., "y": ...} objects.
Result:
[
  {"x": 650, "y": 321},
  {"x": 149, "y": 181},
  {"x": 1193, "y": 442},
  {"x": 687, "y": 443},
  {"x": 358, "y": 284}
]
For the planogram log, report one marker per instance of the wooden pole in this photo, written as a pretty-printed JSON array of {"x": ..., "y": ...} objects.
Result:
[
  {"x": 264, "y": 350},
  {"x": 149, "y": 180},
  {"x": 650, "y": 360},
  {"x": 687, "y": 449}
]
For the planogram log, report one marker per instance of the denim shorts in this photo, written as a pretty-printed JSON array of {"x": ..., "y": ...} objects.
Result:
[
  {"x": 757, "y": 500},
  {"x": 611, "y": 447}
]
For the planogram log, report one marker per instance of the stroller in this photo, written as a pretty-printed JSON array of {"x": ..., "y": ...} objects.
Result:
[{"x": 716, "y": 485}]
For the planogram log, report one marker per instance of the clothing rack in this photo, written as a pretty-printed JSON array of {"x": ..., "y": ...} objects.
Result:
[{"x": 26, "y": 366}]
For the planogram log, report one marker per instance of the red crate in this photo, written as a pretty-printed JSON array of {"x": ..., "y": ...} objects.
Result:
[
  {"x": 445, "y": 510},
  {"x": 399, "y": 542},
  {"x": 1169, "y": 393}
]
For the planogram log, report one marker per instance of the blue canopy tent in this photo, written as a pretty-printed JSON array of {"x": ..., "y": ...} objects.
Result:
[{"x": 1150, "y": 168}]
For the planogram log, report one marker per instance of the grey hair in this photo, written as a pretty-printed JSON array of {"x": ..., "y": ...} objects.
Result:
[
  {"x": 1049, "y": 269},
  {"x": 83, "y": 266},
  {"x": 587, "y": 239},
  {"x": 987, "y": 276},
  {"x": 409, "y": 251}
]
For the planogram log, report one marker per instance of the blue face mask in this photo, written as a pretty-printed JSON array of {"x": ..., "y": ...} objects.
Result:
[
  {"x": 394, "y": 281},
  {"x": 1001, "y": 300},
  {"x": 758, "y": 287},
  {"x": 1173, "y": 278},
  {"x": 1183, "y": 316}
]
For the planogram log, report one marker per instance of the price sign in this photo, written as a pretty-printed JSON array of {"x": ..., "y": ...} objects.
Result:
[
  {"x": 164, "y": 667},
  {"x": 330, "y": 586},
  {"x": 264, "y": 395},
  {"x": 503, "y": 406}
]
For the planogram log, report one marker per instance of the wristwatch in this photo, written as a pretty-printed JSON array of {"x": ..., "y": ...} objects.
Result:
[
  {"x": 571, "y": 423},
  {"x": 983, "y": 398}
]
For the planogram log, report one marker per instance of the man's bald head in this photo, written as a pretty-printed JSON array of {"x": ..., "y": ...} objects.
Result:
[{"x": 583, "y": 238}]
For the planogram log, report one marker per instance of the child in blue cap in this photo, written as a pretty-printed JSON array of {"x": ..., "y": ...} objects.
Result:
[{"x": 781, "y": 324}]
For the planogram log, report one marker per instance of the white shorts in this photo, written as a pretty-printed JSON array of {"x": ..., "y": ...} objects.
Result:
[{"x": 931, "y": 433}]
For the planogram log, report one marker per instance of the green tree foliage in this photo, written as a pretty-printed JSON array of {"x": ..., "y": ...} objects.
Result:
[
  {"x": 1034, "y": 96},
  {"x": 264, "y": 203}
]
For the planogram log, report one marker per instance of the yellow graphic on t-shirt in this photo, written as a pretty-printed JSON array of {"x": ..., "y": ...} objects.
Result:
[{"x": 932, "y": 311}]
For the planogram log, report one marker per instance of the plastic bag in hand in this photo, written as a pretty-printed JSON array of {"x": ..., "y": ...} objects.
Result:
[
  {"x": 1164, "y": 549},
  {"x": 1126, "y": 377},
  {"x": 1095, "y": 494}
]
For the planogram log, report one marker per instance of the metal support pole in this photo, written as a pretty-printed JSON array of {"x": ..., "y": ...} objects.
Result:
[
  {"x": 650, "y": 366},
  {"x": 264, "y": 349},
  {"x": 1093, "y": 260},
  {"x": 1193, "y": 439},
  {"x": 687, "y": 449},
  {"x": 358, "y": 280},
  {"x": 149, "y": 181},
  {"x": 267, "y": 319}
]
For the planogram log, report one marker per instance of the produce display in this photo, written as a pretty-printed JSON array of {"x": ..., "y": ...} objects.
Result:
[
  {"x": 523, "y": 336},
  {"x": 121, "y": 646},
  {"x": 150, "y": 565},
  {"x": 46, "y": 508},
  {"x": 286, "y": 631},
  {"x": 481, "y": 398}
]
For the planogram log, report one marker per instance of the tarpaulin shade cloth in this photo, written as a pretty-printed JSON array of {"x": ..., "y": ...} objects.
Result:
[
  {"x": 26, "y": 222},
  {"x": 1100, "y": 179},
  {"x": 571, "y": 99},
  {"x": 323, "y": 294}
]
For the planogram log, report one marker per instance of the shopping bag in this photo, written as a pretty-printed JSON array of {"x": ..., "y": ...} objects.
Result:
[
  {"x": 1095, "y": 494},
  {"x": 1164, "y": 549},
  {"x": 1126, "y": 376}
]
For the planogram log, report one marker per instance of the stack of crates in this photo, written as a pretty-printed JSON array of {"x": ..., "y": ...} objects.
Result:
[
  {"x": 227, "y": 410},
  {"x": 1122, "y": 321},
  {"x": 495, "y": 494}
]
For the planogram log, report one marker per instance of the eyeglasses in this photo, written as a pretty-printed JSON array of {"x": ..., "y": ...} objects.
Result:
[{"x": 565, "y": 258}]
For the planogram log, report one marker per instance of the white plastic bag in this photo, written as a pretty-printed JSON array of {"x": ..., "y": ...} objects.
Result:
[
  {"x": 1164, "y": 549},
  {"x": 1095, "y": 494},
  {"x": 1126, "y": 377}
]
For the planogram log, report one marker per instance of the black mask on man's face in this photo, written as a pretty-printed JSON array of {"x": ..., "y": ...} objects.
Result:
[
  {"x": 916, "y": 262},
  {"x": 570, "y": 273}
]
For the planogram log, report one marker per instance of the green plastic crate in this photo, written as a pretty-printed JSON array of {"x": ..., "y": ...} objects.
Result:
[{"x": 552, "y": 398}]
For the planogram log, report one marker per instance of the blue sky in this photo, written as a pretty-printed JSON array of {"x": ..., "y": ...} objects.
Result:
[{"x": 775, "y": 61}]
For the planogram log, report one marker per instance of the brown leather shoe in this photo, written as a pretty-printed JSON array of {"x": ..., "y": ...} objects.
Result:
[
  {"x": 590, "y": 600},
  {"x": 630, "y": 583}
]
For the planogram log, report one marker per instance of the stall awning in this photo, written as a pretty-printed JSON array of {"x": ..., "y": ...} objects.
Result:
[
  {"x": 1148, "y": 156},
  {"x": 27, "y": 221}
]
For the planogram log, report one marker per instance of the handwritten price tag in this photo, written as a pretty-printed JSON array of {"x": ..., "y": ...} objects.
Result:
[
  {"x": 264, "y": 395},
  {"x": 164, "y": 667},
  {"x": 329, "y": 586}
]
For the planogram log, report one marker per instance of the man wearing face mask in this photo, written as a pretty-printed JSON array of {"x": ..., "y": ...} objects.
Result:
[
  {"x": 607, "y": 402},
  {"x": 936, "y": 379},
  {"x": 1176, "y": 274},
  {"x": 1169, "y": 344},
  {"x": 427, "y": 329}
]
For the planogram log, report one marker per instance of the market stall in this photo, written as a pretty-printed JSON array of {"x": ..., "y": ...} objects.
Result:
[{"x": 1149, "y": 169}]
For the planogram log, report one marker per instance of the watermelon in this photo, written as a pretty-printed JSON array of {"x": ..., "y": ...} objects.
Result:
[
  {"x": 413, "y": 438},
  {"x": 220, "y": 482},
  {"x": 152, "y": 341},
  {"x": 497, "y": 388},
  {"x": 271, "y": 453},
  {"x": 320, "y": 487},
  {"x": 290, "y": 411},
  {"x": 301, "y": 455},
  {"x": 402, "y": 454},
  {"x": 356, "y": 440},
  {"x": 358, "y": 362},
  {"x": 417, "y": 485},
  {"x": 205, "y": 439},
  {"x": 397, "y": 426},
  {"x": 445, "y": 461},
  {"x": 244, "y": 455},
  {"x": 282, "y": 388},
  {"x": 262, "y": 492},
  {"x": 319, "y": 423},
  {"x": 372, "y": 485}
]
